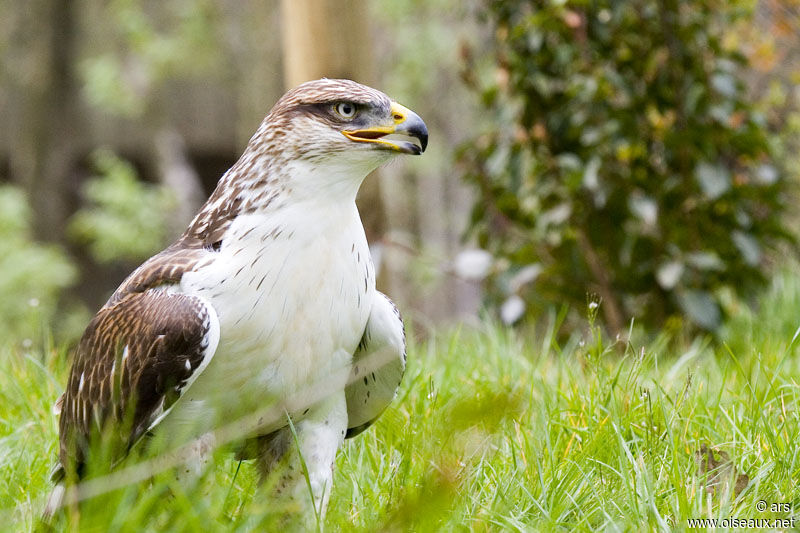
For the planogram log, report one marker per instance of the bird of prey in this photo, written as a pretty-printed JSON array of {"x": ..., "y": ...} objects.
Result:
[{"x": 269, "y": 293}]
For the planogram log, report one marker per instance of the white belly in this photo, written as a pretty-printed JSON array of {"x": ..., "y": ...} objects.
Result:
[{"x": 293, "y": 298}]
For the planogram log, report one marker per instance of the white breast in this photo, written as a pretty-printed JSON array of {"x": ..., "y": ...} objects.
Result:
[{"x": 293, "y": 290}]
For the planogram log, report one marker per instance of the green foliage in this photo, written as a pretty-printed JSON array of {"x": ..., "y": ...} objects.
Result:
[
  {"x": 127, "y": 218},
  {"x": 32, "y": 274},
  {"x": 123, "y": 82},
  {"x": 491, "y": 431},
  {"x": 626, "y": 160}
]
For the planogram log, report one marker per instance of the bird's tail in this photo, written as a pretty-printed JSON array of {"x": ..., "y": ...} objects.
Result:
[
  {"x": 56, "y": 499},
  {"x": 54, "y": 502}
]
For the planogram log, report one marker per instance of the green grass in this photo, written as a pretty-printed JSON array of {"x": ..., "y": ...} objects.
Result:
[{"x": 493, "y": 430}]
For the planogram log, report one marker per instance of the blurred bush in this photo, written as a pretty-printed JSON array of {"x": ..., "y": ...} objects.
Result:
[
  {"x": 125, "y": 221},
  {"x": 126, "y": 218},
  {"x": 155, "y": 43},
  {"x": 32, "y": 275},
  {"x": 626, "y": 161}
]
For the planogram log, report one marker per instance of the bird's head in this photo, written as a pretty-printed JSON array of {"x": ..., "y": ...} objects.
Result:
[{"x": 339, "y": 130}]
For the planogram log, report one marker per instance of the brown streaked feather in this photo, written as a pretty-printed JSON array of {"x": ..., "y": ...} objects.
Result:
[
  {"x": 167, "y": 267},
  {"x": 134, "y": 359}
]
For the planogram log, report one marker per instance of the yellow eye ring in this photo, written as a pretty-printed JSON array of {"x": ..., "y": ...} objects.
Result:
[{"x": 345, "y": 109}]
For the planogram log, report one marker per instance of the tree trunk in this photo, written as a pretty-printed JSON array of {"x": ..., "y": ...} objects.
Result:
[
  {"x": 331, "y": 39},
  {"x": 45, "y": 154}
]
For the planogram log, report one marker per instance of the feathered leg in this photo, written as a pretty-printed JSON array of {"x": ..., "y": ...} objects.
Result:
[{"x": 305, "y": 477}]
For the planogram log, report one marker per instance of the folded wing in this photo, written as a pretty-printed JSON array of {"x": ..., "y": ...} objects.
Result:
[
  {"x": 378, "y": 366},
  {"x": 135, "y": 359}
]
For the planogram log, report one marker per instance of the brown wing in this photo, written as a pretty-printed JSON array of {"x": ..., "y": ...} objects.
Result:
[{"x": 135, "y": 358}]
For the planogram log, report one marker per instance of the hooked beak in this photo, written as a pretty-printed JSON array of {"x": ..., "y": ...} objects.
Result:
[{"x": 408, "y": 134}]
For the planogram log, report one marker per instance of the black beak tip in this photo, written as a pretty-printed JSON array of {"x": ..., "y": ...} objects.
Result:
[
  {"x": 423, "y": 140},
  {"x": 419, "y": 130}
]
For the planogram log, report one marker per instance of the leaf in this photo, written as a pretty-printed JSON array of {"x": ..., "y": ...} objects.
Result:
[
  {"x": 473, "y": 264},
  {"x": 590, "y": 180},
  {"x": 512, "y": 309},
  {"x": 701, "y": 308},
  {"x": 524, "y": 276},
  {"x": 724, "y": 84},
  {"x": 766, "y": 174},
  {"x": 644, "y": 208},
  {"x": 705, "y": 261},
  {"x": 555, "y": 216},
  {"x": 714, "y": 180},
  {"x": 748, "y": 246},
  {"x": 568, "y": 161},
  {"x": 669, "y": 274},
  {"x": 497, "y": 162}
]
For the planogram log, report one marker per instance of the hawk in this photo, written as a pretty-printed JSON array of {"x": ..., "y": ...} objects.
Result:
[{"x": 269, "y": 293}]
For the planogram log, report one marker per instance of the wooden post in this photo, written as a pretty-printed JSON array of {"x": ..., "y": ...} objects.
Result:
[{"x": 331, "y": 39}]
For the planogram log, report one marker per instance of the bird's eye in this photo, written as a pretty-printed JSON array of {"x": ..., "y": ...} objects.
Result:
[{"x": 345, "y": 109}]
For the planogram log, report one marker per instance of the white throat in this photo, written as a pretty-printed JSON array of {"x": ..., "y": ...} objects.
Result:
[{"x": 335, "y": 180}]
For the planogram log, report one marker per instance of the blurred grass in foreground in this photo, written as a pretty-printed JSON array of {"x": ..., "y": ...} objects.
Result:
[{"x": 494, "y": 429}]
